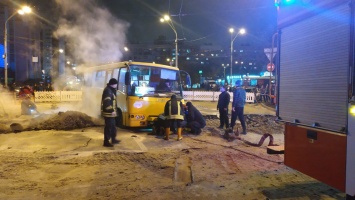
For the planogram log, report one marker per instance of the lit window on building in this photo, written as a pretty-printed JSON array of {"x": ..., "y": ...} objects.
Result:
[
  {"x": 202, "y": 63},
  {"x": 250, "y": 63},
  {"x": 241, "y": 51},
  {"x": 187, "y": 58}
]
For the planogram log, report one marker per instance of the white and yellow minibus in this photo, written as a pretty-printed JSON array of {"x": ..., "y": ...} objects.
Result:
[{"x": 139, "y": 99}]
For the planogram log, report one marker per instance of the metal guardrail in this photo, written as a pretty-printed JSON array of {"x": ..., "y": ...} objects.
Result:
[
  {"x": 213, "y": 96},
  {"x": 58, "y": 96},
  {"x": 65, "y": 96}
]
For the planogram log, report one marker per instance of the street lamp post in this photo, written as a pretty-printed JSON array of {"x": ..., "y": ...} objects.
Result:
[
  {"x": 224, "y": 72},
  {"x": 224, "y": 75},
  {"x": 167, "y": 19},
  {"x": 271, "y": 64},
  {"x": 23, "y": 11},
  {"x": 241, "y": 32}
]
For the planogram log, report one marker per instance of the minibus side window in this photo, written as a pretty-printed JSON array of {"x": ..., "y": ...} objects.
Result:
[
  {"x": 121, "y": 80},
  {"x": 115, "y": 73},
  {"x": 100, "y": 79},
  {"x": 88, "y": 79}
]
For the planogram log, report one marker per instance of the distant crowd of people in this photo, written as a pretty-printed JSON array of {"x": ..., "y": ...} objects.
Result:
[{"x": 262, "y": 93}]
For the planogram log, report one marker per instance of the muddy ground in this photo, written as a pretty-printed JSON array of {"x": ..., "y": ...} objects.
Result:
[{"x": 41, "y": 161}]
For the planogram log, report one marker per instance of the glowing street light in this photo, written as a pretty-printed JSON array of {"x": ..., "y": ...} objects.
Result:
[
  {"x": 167, "y": 19},
  {"x": 240, "y": 32},
  {"x": 24, "y": 10}
]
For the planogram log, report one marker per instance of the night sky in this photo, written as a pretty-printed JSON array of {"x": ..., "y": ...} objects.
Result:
[{"x": 197, "y": 21}]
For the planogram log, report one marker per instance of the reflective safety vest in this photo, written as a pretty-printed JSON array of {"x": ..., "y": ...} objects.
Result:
[
  {"x": 108, "y": 103},
  {"x": 174, "y": 114}
]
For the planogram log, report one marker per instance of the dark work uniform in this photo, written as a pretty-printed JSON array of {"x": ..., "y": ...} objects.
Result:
[
  {"x": 239, "y": 96},
  {"x": 108, "y": 106},
  {"x": 173, "y": 113},
  {"x": 195, "y": 120},
  {"x": 222, "y": 107}
]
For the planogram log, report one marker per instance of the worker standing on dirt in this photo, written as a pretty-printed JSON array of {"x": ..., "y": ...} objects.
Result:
[
  {"x": 195, "y": 120},
  {"x": 222, "y": 107},
  {"x": 108, "y": 111},
  {"x": 173, "y": 112},
  {"x": 239, "y": 96}
]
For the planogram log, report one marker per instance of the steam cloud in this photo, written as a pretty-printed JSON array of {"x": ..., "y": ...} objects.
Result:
[{"x": 94, "y": 34}]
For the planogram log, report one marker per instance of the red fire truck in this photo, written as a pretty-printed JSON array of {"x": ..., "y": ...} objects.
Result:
[{"x": 316, "y": 88}]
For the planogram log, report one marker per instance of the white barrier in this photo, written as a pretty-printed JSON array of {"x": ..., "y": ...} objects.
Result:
[
  {"x": 61, "y": 96},
  {"x": 213, "y": 96},
  {"x": 58, "y": 96}
]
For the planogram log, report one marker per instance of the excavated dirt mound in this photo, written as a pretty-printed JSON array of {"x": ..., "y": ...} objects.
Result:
[
  {"x": 74, "y": 119},
  {"x": 4, "y": 128},
  {"x": 260, "y": 124},
  {"x": 66, "y": 121},
  {"x": 70, "y": 120}
]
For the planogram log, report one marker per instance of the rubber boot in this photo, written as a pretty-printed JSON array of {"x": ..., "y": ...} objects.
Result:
[
  {"x": 179, "y": 137},
  {"x": 107, "y": 144},
  {"x": 167, "y": 132}
]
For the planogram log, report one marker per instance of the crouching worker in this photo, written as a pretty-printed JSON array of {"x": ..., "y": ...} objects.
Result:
[
  {"x": 195, "y": 120},
  {"x": 27, "y": 106},
  {"x": 173, "y": 112}
]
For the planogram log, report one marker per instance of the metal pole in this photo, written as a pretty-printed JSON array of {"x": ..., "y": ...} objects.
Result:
[
  {"x": 176, "y": 50},
  {"x": 5, "y": 55},
  {"x": 232, "y": 41},
  {"x": 231, "y": 73},
  {"x": 171, "y": 24},
  {"x": 224, "y": 76},
  {"x": 271, "y": 58},
  {"x": 176, "y": 42},
  {"x": 5, "y": 49}
]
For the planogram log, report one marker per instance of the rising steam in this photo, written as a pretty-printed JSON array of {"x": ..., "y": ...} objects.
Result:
[{"x": 94, "y": 34}]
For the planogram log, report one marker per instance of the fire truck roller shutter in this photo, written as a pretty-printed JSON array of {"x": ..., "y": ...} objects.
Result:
[{"x": 314, "y": 62}]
